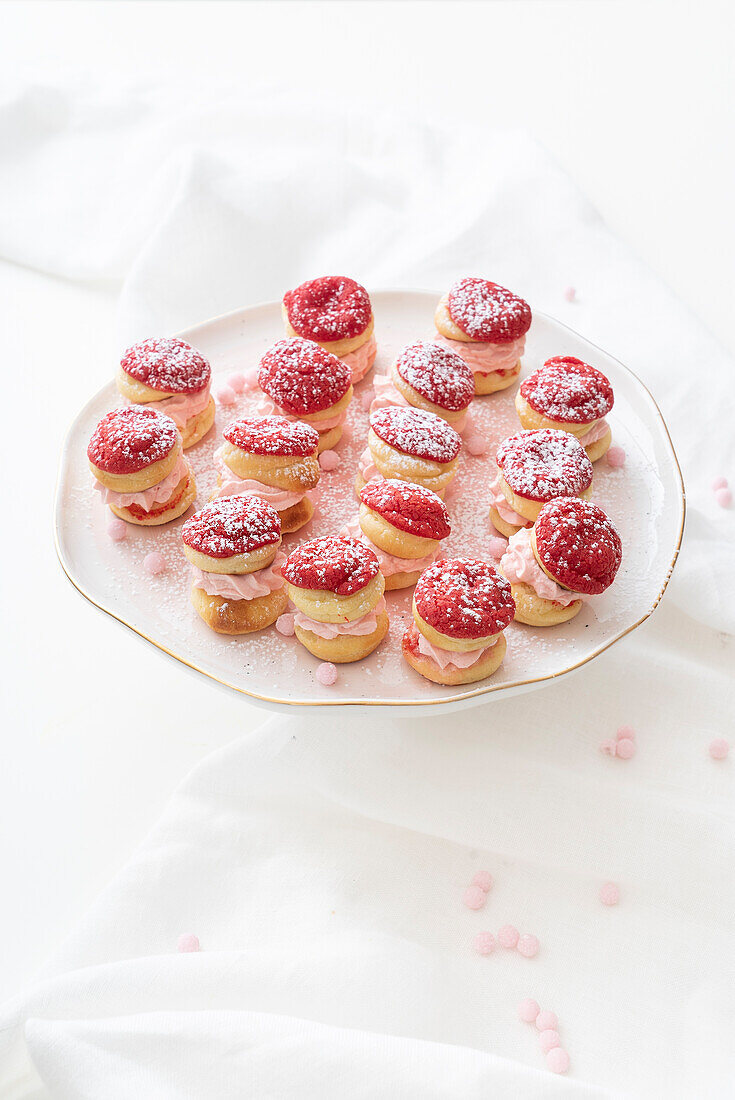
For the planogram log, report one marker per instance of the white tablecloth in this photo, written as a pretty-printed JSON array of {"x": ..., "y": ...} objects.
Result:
[{"x": 322, "y": 860}]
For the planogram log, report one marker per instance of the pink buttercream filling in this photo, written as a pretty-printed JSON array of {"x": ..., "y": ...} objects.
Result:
[
  {"x": 367, "y": 467},
  {"x": 387, "y": 394},
  {"x": 519, "y": 565},
  {"x": 389, "y": 563},
  {"x": 484, "y": 358},
  {"x": 444, "y": 657},
  {"x": 234, "y": 486},
  {"x": 504, "y": 510},
  {"x": 157, "y": 494},
  {"x": 359, "y": 360},
  {"x": 366, "y": 624},
  {"x": 595, "y": 434},
  {"x": 267, "y": 407},
  {"x": 241, "y": 586}
]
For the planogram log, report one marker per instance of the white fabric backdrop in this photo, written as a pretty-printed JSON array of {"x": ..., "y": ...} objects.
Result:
[{"x": 321, "y": 861}]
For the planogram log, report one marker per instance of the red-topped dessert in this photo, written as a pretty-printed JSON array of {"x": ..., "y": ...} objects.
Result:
[
  {"x": 410, "y": 445},
  {"x": 232, "y": 545},
  {"x": 335, "y": 312},
  {"x": 272, "y": 458},
  {"x": 570, "y": 395},
  {"x": 305, "y": 382},
  {"x": 427, "y": 376},
  {"x": 533, "y": 468},
  {"x": 337, "y": 587},
  {"x": 403, "y": 524},
  {"x": 486, "y": 325},
  {"x": 572, "y": 553},
  {"x": 461, "y": 606},
  {"x": 176, "y": 377},
  {"x": 140, "y": 471}
]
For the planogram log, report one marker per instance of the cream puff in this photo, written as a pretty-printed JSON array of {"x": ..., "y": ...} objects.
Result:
[
  {"x": 572, "y": 553},
  {"x": 533, "y": 468},
  {"x": 272, "y": 458},
  {"x": 461, "y": 606},
  {"x": 176, "y": 377},
  {"x": 232, "y": 546},
  {"x": 140, "y": 470},
  {"x": 302, "y": 381},
  {"x": 410, "y": 445},
  {"x": 569, "y": 395},
  {"x": 403, "y": 524},
  {"x": 487, "y": 325},
  {"x": 336, "y": 313},
  {"x": 428, "y": 377},
  {"x": 337, "y": 588}
]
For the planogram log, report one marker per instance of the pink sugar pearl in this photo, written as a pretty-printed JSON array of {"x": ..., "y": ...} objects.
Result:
[
  {"x": 117, "y": 529},
  {"x": 548, "y": 1040},
  {"x": 477, "y": 445},
  {"x": 609, "y": 747},
  {"x": 367, "y": 399},
  {"x": 719, "y": 748},
  {"x": 497, "y": 547},
  {"x": 225, "y": 396},
  {"x": 484, "y": 880},
  {"x": 625, "y": 732},
  {"x": 528, "y": 945},
  {"x": 326, "y": 674},
  {"x": 188, "y": 942},
  {"x": 474, "y": 897},
  {"x": 719, "y": 483},
  {"x": 616, "y": 457},
  {"x": 285, "y": 625},
  {"x": 329, "y": 460},
  {"x": 251, "y": 379},
  {"x": 570, "y": 294},
  {"x": 625, "y": 748},
  {"x": 236, "y": 382},
  {"x": 528, "y": 1010},
  {"x": 508, "y": 936},
  {"x": 557, "y": 1060},
  {"x": 546, "y": 1021},
  {"x": 153, "y": 563},
  {"x": 484, "y": 943},
  {"x": 609, "y": 893},
  {"x": 723, "y": 498}
]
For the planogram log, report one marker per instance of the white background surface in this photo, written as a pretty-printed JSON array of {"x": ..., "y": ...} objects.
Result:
[{"x": 634, "y": 101}]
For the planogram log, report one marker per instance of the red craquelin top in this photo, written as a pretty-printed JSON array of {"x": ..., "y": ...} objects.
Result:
[
  {"x": 328, "y": 309},
  {"x": 416, "y": 433},
  {"x": 168, "y": 365},
  {"x": 132, "y": 438},
  {"x": 438, "y": 374},
  {"x": 488, "y": 312},
  {"x": 231, "y": 526},
  {"x": 544, "y": 464},
  {"x": 339, "y": 565},
  {"x": 578, "y": 545},
  {"x": 273, "y": 435},
  {"x": 408, "y": 507},
  {"x": 303, "y": 378},
  {"x": 568, "y": 390},
  {"x": 464, "y": 598}
]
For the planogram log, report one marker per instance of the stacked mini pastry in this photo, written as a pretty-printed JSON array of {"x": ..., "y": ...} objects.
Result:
[
  {"x": 410, "y": 445},
  {"x": 232, "y": 545},
  {"x": 335, "y": 312},
  {"x": 533, "y": 468},
  {"x": 337, "y": 588},
  {"x": 403, "y": 524},
  {"x": 176, "y": 377},
  {"x": 272, "y": 458},
  {"x": 572, "y": 553},
  {"x": 304, "y": 382},
  {"x": 428, "y": 377},
  {"x": 461, "y": 607},
  {"x": 141, "y": 473},
  {"x": 487, "y": 325},
  {"x": 570, "y": 395}
]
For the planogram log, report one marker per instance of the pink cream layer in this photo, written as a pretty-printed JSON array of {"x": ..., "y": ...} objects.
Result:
[
  {"x": 386, "y": 394},
  {"x": 389, "y": 563},
  {"x": 519, "y": 565},
  {"x": 157, "y": 494},
  {"x": 595, "y": 433},
  {"x": 234, "y": 486},
  {"x": 182, "y": 406},
  {"x": 368, "y": 470},
  {"x": 359, "y": 361},
  {"x": 241, "y": 586},
  {"x": 356, "y": 629},
  {"x": 485, "y": 358},
  {"x": 447, "y": 657},
  {"x": 267, "y": 407},
  {"x": 504, "y": 510}
]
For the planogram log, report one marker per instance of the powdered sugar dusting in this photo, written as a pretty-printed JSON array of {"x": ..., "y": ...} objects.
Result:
[
  {"x": 167, "y": 364},
  {"x": 487, "y": 311},
  {"x": 339, "y": 565},
  {"x": 232, "y": 525},
  {"x": 578, "y": 544},
  {"x": 568, "y": 390},
  {"x": 132, "y": 438},
  {"x": 438, "y": 374},
  {"x": 464, "y": 598},
  {"x": 302, "y": 378},
  {"x": 272, "y": 435},
  {"x": 410, "y": 508},
  {"x": 416, "y": 433},
  {"x": 544, "y": 464},
  {"x": 327, "y": 309}
]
